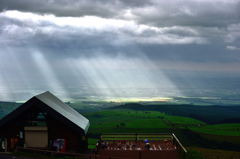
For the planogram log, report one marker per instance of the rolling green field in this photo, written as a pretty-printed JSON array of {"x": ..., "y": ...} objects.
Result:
[
  {"x": 219, "y": 129},
  {"x": 145, "y": 121},
  {"x": 183, "y": 120},
  {"x": 103, "y": 117},
  {"x": 191, "y": 132},
  {"x": 136, "y": 125},
  {"x": 210, "y": 153}
]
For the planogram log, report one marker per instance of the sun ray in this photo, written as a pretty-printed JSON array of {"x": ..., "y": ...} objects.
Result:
[{"x": 48, "y": 75}]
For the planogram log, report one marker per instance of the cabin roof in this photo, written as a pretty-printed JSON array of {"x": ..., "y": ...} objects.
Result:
[{"x": 56, "y": 108}]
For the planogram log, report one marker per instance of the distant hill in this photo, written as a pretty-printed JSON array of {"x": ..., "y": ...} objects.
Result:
[
  {"x": 209, "y": 114},
  {"x": 7, "y": 107},
  {"x": 231, "y": 120}
]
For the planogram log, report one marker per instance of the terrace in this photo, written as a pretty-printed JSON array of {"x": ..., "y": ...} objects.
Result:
[{"x": 133, "y": 145}]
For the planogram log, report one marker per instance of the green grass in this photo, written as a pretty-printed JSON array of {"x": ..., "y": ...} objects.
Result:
[
  {"x": 145, "y": 121},
  {"x": 221, "y": 138},
  {"x": 127, "y": 112},
  {"x": 211, "y": 153},
  {"x": 183, "y": 120},
  {"x": 136, "y": 124},
  {"x": 92, "y": 143},
  {"x": 104, "y": 117},
  {"x": 192, "y": 152},
  {"x": 219, "y": 129},
  {"x": 229, "y": 127},
  {"x": 152, "y": 122}
]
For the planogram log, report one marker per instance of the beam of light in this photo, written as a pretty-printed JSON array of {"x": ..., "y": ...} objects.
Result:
[
  {"x": 22, "y": 88},
  {"x": 82, "y": 75},
  {"x": 84, "y": 68},
  {"x": 111, "y": 74},
  {"x": 5, "y": 83},
  {"x": 49, "y": 76},
  {"x": 17, "y": 82},
  {"x": 4, "y": 94}
]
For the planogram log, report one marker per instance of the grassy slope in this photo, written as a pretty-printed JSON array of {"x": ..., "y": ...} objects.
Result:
[
  {"x": 104, "y": 117},
  {"x": 135, "y": 121},
  {"x": 153, "y": 122},
  {"x": 208, "y": 114},
  {"x": 219, "y": 129},
  {"x": 183, "y": 120},
  {"x": 92, "y": 143},
  {"x": 211, "y": 153},
  {"x": 147, "y": 121},
  {"x": 133, "y": 126}
]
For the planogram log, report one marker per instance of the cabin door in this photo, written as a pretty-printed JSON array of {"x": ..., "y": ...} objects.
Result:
[{"x": 36, "y": 138}]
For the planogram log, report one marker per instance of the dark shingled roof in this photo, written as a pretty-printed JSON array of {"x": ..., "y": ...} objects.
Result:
[{"x": 55, "y": 107}]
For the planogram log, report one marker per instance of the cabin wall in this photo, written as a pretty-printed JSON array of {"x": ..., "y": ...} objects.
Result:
[
  {"x": 55, "y": 130},
  {"x": 12, "y": 130}
]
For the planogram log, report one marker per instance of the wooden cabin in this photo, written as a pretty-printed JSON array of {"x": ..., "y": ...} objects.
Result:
[{"x": 42, "y": 120}]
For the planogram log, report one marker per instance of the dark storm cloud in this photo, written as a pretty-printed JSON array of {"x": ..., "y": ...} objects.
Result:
[
  {"x": 62, "y": 7},
  {"x": 196, "y": 31},
  {"x": 102, "y": 8},
  {"x": 193, "y": 53},
  {"x": 158, "y": 13},
  {"x": 189, "y": 13}
]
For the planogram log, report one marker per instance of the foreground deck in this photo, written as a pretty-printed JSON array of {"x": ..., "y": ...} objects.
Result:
[
  {"x": 134, "y": 146},
  {"x": 113, "y": 145}
]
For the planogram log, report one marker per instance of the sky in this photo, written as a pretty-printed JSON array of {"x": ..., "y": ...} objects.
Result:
[{"x": 55, "y": 44}]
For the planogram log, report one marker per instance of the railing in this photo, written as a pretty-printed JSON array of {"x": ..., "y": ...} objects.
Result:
[
  {"x": 136, "y": 136},
  {"x": 179, "y": 143},
  {"x": 57, "y": 154}
]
